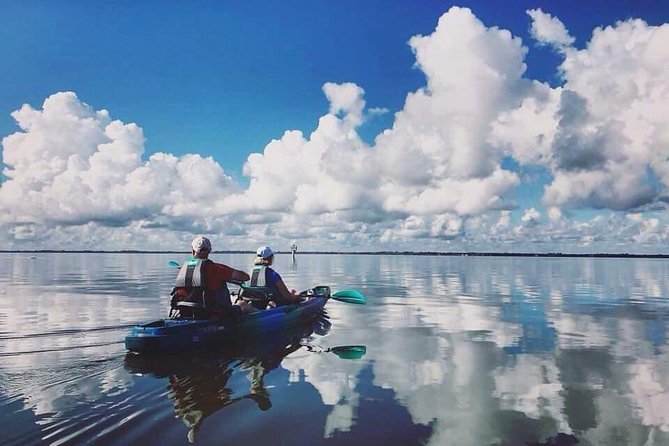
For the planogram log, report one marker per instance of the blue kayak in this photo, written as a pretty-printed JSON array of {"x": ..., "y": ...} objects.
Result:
[
  {"x": 266, "y": 349},
  {"x": 177, "y": 334},
  {"x": 180, "y": 333}
]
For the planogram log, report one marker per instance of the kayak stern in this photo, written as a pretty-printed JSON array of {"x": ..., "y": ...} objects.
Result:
[{"x": 173, "y": 334}]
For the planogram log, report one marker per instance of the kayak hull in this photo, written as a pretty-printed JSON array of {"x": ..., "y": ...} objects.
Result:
[{"x": 179, "y": 334}]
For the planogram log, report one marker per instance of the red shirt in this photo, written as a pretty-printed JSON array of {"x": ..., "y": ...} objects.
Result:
[{"x": 216, "y": 274}]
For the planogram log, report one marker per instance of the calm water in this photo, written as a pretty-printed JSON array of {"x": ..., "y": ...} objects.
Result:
[{"x": 459, "y": 351}]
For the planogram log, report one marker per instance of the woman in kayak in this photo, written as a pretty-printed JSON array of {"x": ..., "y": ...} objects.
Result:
[
  {"x": 201, "y": 288},
  {"x": 264, "y": 276}
]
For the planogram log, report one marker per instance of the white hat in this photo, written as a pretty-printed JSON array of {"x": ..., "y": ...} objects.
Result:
[
  {"x": 265, "y": 252},
  {"x": 201, "y": 243}
]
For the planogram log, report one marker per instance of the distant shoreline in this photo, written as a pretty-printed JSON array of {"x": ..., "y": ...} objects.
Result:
[{"x": 375, "y": 253}]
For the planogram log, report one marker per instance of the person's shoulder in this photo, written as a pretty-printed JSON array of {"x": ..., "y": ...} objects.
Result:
[
  {"x": 211, "y": 264},
  {"x": 273, "y": 274},
  {"x": 219, "y": 270}
]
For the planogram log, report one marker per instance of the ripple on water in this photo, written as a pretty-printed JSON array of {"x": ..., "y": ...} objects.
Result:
[{"x": 483, "y": 350}]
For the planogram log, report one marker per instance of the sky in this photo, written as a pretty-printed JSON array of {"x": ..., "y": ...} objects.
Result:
[{"x": 349, "y": 126}]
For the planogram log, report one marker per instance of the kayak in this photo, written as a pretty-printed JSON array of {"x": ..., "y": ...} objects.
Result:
[
  {"x": 173, "y": 334},
  {"x": 253, "y": 349},
  {"x": 176, "y": 334}
]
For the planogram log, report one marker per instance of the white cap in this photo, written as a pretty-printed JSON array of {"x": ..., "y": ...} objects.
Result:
[
  {"x": 265, "y": 252},
  {"x": 201, "y": 243}
]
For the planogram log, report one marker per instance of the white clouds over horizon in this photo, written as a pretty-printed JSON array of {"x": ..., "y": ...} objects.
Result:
[
  {"x": 72, "y": 165},
  {"x": 436, "y": 175}
]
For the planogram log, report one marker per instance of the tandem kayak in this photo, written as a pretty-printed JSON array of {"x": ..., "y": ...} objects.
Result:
[{"x": 166, "y": 335}]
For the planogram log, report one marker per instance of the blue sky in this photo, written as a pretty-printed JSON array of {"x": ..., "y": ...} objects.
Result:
[{"x": 223, "y": 79}]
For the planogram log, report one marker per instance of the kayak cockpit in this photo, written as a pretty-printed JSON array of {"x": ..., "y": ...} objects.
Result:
[{"x": 158, "y": 323}]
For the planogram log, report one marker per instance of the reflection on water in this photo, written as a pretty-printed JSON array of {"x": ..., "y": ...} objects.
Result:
[
  {"x": 198, "y": 381},
  {"x": 449, "y": 350}
]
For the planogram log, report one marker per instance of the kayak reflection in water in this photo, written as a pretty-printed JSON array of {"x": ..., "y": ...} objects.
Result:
[
  {"x": 205, "y": 391},
  {"x": 199, "y": 382}
]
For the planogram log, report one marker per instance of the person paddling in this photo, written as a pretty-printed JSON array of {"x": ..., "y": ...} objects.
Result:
[
  {"x": 201, "y": 290},
  {"x": 264, "y": 276}
]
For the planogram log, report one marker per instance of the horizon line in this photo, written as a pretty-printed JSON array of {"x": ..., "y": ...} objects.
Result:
[{"x": 385, "y": 252}]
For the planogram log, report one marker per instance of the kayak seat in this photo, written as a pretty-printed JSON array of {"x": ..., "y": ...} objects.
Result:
[
  {"x": 192, "y": 310},
  {"x": 258, "y": 296},
  {"x": 154, "y": 324}
]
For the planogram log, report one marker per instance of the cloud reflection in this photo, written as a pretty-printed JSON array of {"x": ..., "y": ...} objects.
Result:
[{"x": 464, "y": 351}]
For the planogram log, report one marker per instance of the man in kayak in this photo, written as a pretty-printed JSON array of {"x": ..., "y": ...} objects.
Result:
[
  {"x": 264, "y": 276},
  {"x": 201, "y": 289}
]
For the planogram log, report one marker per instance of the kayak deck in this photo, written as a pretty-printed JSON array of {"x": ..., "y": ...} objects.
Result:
[{"x": 176, "y": 334}]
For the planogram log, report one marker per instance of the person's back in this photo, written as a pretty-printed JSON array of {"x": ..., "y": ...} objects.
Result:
[
  {"x": 262, "y": 275},
  {"x": 201, "y": 290},
  {"x": 191, "y": 296}
]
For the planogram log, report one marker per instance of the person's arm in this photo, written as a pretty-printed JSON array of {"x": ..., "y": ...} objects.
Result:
[
  {"x": 239, "y": 276},
  {"x": 288, "y": 296},
  {"x": 226, "y": 273}
]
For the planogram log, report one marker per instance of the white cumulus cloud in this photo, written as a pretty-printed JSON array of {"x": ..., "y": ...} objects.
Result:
[
  {"x": 549, "y": 30},
  {"x": 604, "y": 133},
  {"x": 438, "y": 174},
  {"x": 70, "y": 164}
]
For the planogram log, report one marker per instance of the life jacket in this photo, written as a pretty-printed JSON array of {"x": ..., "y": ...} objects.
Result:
[
  {"x": 258, "y": 276},
  {"x": 259, "y": 282},
  {"x": 190, "y": 295},
  {"x": 256, "y": 290}
]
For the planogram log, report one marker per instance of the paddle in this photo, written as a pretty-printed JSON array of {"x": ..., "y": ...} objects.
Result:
[
  {"x": 174, "y": 264},
  {"x": 349, "y": 351},
  {"x": 350, "y": 297},
  {"x": 342, "y": 351}
]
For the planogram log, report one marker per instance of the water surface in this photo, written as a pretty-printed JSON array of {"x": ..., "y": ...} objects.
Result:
[{"x": 459, "y": 351}]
